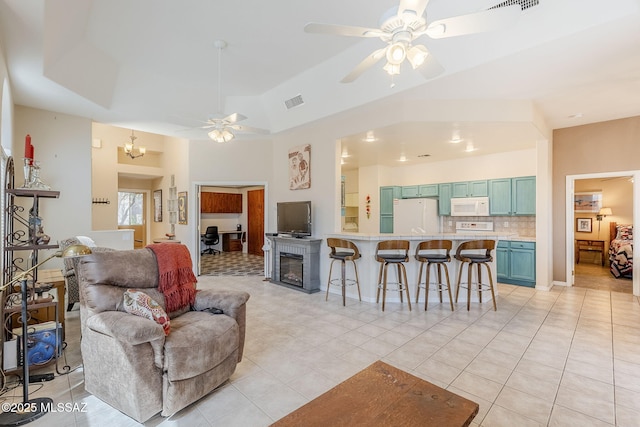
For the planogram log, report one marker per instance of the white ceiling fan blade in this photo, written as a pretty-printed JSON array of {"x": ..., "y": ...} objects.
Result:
[
  {"x": 233, "y": 118},
  {"x": 487, "y": 20},
  {"x": 364, "y": 65},
  {"x": 342, "y": 30},
  {"x": 243, "y": 128},
  {"x": 412, "y": 6}
]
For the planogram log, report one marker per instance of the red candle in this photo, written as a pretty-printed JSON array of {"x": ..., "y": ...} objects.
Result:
[{"x": 28, "y": 148}]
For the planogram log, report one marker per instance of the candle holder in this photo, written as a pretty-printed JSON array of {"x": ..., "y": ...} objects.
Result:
[
  {"x": 27, "y": 173},
  {"x": 35, "y": 182}
]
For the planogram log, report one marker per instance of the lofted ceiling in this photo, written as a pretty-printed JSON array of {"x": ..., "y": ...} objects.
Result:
[{"x": 151, "y": 65}]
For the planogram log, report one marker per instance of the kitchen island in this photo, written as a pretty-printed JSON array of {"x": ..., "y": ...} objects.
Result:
[{"x": 368, "y": 268}]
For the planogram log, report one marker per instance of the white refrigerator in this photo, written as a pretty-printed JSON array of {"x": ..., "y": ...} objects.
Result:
[{"x": 416, "y": 216}]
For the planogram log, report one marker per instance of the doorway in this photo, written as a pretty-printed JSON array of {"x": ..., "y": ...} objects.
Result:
[
  {"x": 594, "y": 203},
  {"x": 132, "y": 208},
  {"x": 248, "y": 257}
]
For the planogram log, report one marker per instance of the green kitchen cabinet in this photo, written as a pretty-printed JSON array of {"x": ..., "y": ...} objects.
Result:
[
  {"x": 516, "y": 262},
  {"x": 470, "y": 189},
  {"x": 387, "y": 195},
  {"x": 444, "y": 199},
  {"x": 413, "y": 191},
  {"x": 512, "y": 196},
  {"x": 523, "y": 195}
]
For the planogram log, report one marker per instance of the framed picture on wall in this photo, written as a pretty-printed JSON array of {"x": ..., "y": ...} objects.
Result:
[
  {"x": 300, "y": 167},
  {"x": 583, "y": 225},
  {"x": 157, "y": 205},
  {"x": 587, "y": 201},
  {"x": 182, "y": 207}
]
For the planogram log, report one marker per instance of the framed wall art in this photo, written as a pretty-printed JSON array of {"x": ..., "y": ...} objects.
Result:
[
  {"x": 182, "y": 207},
  {"x": 157, "y": 205},
  {"x": 583, "y": 225},
  {"x": 300, "y": 167},
  {"x": 587, "y": 201}
]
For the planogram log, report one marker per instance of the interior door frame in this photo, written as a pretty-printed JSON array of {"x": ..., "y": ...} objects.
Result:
[
  {"x": 197, "y": 188},
  {"x": 570, "y": 214},
  {"x": 147, "y": 211}
]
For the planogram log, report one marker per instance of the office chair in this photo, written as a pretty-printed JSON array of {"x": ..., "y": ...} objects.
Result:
[{"x": 210, "y": 238}]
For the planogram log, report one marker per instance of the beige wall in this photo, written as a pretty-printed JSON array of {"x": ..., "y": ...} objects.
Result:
[{"x": 610, "y": 146}]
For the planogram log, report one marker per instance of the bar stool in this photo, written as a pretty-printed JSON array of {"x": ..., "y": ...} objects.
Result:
[
  {"x": 430, "y": 252},
  {"x": 392, "y": 252},
  {"x": 343, "y": 251},
  {"x": 479, "y": 259}
]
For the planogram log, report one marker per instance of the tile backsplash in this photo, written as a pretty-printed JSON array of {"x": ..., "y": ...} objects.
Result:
[{"x": 523, "y": 226}]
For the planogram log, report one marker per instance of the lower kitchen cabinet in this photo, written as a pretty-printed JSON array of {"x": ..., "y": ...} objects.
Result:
[{"x": 516, "y": 262}]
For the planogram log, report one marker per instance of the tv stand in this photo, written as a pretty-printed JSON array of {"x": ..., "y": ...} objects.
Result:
[{"x": 291, "y": 249}]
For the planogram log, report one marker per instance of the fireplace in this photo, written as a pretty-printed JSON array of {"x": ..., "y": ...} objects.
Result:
[{"x": 291, "y": 268}]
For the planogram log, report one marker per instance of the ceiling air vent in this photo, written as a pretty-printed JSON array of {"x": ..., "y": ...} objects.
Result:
[
  {"x": 293, "y": 102},
  {"x": 524, "y": 4}
]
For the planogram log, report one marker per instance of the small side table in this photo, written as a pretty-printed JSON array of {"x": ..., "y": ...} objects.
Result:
[
  {"x": 55, "y": 278},
  {"x": 165, "y": 240},
  {"x": 590, "y": 246}
]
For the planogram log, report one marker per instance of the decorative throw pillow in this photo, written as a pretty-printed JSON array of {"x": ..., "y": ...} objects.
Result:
[
  {"x": 625, "y": 232},
  {"x": 140, "y": 304}
]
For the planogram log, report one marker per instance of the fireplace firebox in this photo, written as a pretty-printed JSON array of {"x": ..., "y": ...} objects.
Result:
[{"x": 291, "y": 268}]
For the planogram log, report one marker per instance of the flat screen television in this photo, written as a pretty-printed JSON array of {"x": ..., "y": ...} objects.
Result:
[{"x": 294, "y": 218}]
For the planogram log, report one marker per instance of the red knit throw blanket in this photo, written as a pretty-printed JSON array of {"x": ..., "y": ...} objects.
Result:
[{"x": 176, "y": 280}]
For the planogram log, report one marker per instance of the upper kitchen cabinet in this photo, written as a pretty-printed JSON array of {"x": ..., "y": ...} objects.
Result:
[
  {"x": 512, "y": 196},
  {"x": 211, "y": 202},
  {"x": 444, "y": 199},
  {"x": 470, "y": 189},
  {"x": 523, "y": 195},
  {"x": 387, "y": 194},
  {"x": 413, "y": 191}
]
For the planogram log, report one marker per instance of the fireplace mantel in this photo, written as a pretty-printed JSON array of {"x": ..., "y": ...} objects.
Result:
[{"x": 309, "y": 249}]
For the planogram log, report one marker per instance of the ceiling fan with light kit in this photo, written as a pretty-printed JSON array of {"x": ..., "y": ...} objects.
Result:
[
  {"x": 401, "y": 26},
  {"x": 222, "y": 129}
]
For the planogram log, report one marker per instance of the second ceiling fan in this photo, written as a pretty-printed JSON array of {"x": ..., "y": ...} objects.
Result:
[{"x": 400, "y": 26}]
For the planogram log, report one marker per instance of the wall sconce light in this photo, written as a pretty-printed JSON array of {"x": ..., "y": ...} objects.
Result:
[
  {"x": 603, "y": 213},
  {"x": 129, "y": 148}
]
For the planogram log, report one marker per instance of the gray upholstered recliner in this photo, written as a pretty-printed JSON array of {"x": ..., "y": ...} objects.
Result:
[
  {"x": 69, "y": 271},
  {"x": 128, "y": 361}
]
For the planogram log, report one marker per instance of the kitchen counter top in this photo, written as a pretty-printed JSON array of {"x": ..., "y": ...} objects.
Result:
[{"x": 420, "y": 237}]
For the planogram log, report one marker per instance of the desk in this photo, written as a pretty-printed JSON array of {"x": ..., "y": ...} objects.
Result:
[
  {"x": 590, "y": 246},
  {"x": 231, "y": 240},
  {"x": 54, "y": 277}
]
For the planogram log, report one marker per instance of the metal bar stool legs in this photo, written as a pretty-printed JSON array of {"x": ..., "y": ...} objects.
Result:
[
  {"x": 390, "y": 252},
  {"x": 437, "y": 260},
  {"x": 343, "y": 251},
  {"x": 401, "y": 275},
  {"x": 471, "y": 259}
]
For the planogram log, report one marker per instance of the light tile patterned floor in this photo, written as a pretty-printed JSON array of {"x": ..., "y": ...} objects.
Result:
[{"x": 568, "y": 357}]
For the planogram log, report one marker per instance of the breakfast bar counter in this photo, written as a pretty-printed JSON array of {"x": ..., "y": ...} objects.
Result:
[{"x": 368, "y": 267}]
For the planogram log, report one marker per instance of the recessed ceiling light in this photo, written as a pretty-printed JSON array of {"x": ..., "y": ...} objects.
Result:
[
  {"x": 456, "y": 140},
  {"x": 470, "y": 147},
  {"x": 402, "y": 159},
  {"x": 345, "y": 154},
  {"x": 575, "y": 116}
]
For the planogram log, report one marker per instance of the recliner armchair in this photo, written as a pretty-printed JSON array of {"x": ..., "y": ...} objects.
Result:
[
  {"x": 69, "y": 270},
  {"x": 129, "y": 362},
  {"x": 210, "y": 238}
]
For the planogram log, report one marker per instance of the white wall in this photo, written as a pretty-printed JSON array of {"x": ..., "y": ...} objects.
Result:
[
  {"x": 501, "y": 165},
  {"x": 62, "y": 144}
]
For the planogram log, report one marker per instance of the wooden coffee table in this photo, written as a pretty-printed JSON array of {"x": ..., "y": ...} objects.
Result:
[{"x": 382, "y": 395}]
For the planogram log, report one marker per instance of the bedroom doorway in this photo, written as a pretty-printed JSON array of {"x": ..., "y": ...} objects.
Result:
[{"x": 589, "y": 233}]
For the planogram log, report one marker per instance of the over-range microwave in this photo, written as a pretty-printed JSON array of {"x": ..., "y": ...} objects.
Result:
[{"x": 470, "y": 206}]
